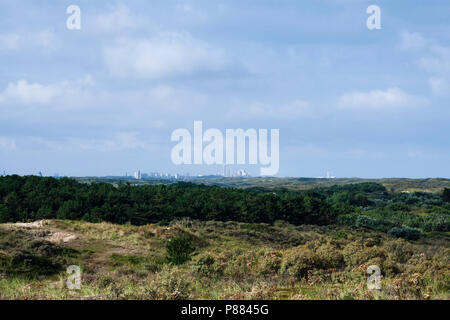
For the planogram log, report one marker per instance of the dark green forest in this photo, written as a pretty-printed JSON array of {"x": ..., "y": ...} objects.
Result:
[{"x": 363, "y": 205}]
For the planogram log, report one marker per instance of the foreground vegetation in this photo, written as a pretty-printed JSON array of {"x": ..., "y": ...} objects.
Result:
[
  {"x": 229, "y": 260},
  {"x": 189, "y": 241}
]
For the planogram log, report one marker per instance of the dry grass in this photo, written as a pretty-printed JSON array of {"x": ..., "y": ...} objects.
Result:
[{"x": 231, "y": 261}]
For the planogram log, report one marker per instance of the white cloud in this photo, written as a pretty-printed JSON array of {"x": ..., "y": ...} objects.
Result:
[
  {"x": 130, "y": 140},
  {"x": 28, "y": 93},
  {"x": 434, "y": 58},
  {"x": 120, "y": 141},
  {"x": 391, "y": 98},
  {"x": 82, "y": 101},
  {"x": 165, "y": 55},
  {"x": 9, "y": 41},
  {"x": 22, "y": 92},
  {"x": 439, "y": 86},
  {"x": 437, "y": 60},
  {"x": 412, "y": 41},
  {"x": 7, "y": 144},
  {"x": 193, "y": 12},
  {"x": 162, "y": 92},
  {"x": 186, "y": 7},
  {"x": 43, "y": 39},
  {"x": 119, "y": 17},
  {"x": 294, "y": 110}
]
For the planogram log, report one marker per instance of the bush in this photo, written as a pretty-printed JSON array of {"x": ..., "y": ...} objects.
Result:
[
  {"x": 269, "y": 263},
  {"x": 22, "y": 255},
  {"x": 346, "y": 219},
  {"x": 241, "y": 264},
  {"x": 364, "y": 221},
  {"x": 330, "y": 255},
  {"x": 446, "y": 195},
  {"x": 170, "y": 284},
  {"x": 398, "y": 206},
  {"x": 179, "y": 250},
  {"x": 436, "y": 222},
  {"x": 208, "y": 264},
  {"x": 299, "y": 260},
  {"x": 400, "y": 250},
  {"x": 372, "y": 223},
  {"x": 5, "y": 214},
  {"x": 405, "y": 233},
  {"x": 356, "y": 254}
]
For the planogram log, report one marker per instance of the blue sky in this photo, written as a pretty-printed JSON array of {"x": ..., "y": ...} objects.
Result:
[{"x": 104, "y": 100}]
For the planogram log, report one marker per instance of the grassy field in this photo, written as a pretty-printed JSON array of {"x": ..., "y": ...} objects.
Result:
[{"x": 229, "y": 261}]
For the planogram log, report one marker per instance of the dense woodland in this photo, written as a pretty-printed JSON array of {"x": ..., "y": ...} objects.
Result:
[{"x": 367, "y": 205}]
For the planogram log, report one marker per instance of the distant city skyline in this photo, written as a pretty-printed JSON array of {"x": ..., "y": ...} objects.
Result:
[
  {"x": 227, "y": 172},
  {"x": 240, "y": 172}
]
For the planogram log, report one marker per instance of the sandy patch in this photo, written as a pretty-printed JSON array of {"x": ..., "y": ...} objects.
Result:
[
  {"x": 58, "y": 237},
  {"x": 34, "y": 224},
  {"x": 49, "y": 235}
]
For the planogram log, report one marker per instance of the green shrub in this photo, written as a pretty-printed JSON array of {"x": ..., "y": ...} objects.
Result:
[
  {"x": 299, "y": 260},
  {"x": 340, "y": 235},
  {"x": 171, "y": 283},
  {"x": 5, "y": 214},
  {"x": 330, "y": 255},
  {"x": 209, "y": 265},
  {"x": 179, "y": 249},
  {"x": 22, "y": 255},
  {"x": 364, "y": 221},
  {"x": 356, "y": 254},
  {"x": 240, "y": 264},
  {"x": 346, "y": 219},
  {"x": 437, "y": 222},
  {"x": 398, "y": 206},
  {"x": 446, "y": 195},
  {"x": 400, "y": 250},
  {"x": 405, "y": 233},
  {"x": 269, "y": 263}
]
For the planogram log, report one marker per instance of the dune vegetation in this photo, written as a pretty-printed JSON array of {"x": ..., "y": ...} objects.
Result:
[{"x": 221, "y": 243}]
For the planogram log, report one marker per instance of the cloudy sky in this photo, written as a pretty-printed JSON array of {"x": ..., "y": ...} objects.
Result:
[{"x": 105, "y": 99}]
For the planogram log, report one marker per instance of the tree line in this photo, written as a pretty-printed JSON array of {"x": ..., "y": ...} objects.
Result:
[
  {"x": 363, "y": 204},
  {"x": 30, "y": 198}
]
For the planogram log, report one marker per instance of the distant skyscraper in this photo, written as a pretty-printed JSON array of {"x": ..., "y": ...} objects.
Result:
[
  {"x": 242, "y": 173},
  {"x": 329, "y": 176},
  {"x": 137, "y": 174}
]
